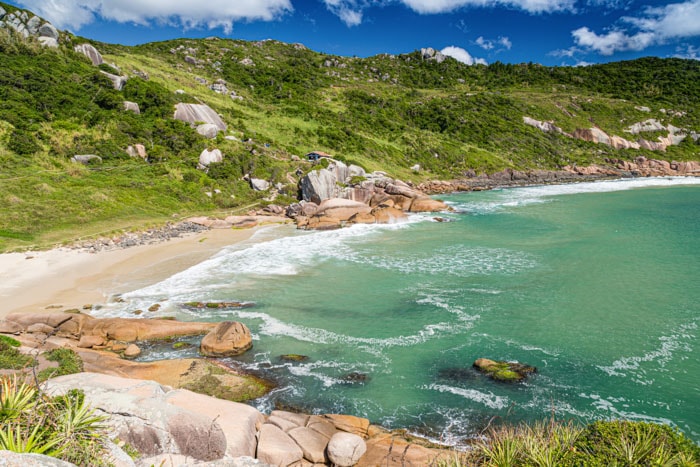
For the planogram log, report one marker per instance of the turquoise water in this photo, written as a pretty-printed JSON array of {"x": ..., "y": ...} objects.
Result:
[{"x": 596, "y": 284}]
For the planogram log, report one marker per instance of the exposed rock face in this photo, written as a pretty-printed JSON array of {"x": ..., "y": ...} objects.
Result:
[
  {"x": 227, "y": 339},
  {"x": 90, "y": 52},
  {"x": 432, "y": 54},
  {"x": 132, "y": 107},
  {"x": 49, "y": 42},
  {"x": 318, "y": 185},
  {"x": 346, "y": 449},
  {"x": 276, "y": 448},
  {"x": 15, "y": 459},
  {"x": 207, "y": 157},
  {"x": 208, "y": 130},
  {"x": 85, "y": 159},
  {"x": 258, "y": 184},
  {"x": 156, "y": 419},
  {"x": 49, "y": 31},
  {"x": 137, "y": 150},
  {"x": 596, "y": 135},
  {"x": 193, "y": 113},
  {"x": 118, "y": 82}
]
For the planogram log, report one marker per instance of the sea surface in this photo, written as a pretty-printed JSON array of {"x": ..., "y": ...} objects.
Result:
[{"x": 595, "y": 284}]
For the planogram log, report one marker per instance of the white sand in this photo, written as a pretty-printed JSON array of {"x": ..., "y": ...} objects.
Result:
[{"x": 64, "y": 278}]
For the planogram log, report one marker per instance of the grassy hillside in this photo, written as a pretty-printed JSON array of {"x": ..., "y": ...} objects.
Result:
[{"x": 383, "y": 113}]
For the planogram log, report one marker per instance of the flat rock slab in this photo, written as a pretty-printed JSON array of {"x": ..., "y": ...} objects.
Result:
[{"x": 276, "y": 447}]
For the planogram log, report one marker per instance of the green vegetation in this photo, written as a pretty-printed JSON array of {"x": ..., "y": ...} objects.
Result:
[
  {"x": 63, "y": 426},
  {"x": 383, "y": 113},
  {"x": 549, "y": 444},
  {"x": 68, "y": 363},
  {"x": 10, "y": 357}
]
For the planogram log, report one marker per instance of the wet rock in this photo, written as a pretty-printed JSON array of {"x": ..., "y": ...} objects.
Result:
[
  {"x": 132, "y": 351},
  {"x": 356, "y": 378},
  {"x": 504, "y": 371},
  {"x": 293, "y": 358}
]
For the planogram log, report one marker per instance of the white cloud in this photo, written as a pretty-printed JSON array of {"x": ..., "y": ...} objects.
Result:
[
  {"x": 531, "y": 6},
  {"x": 488, "y": 44},
  {"x": 655, "y": 26},
  {"x": 349, "y": 11},
  {"x": 462, "y": 55},
  {"x": 187, "y": 13},
  {"x": 689, "y": 52}
]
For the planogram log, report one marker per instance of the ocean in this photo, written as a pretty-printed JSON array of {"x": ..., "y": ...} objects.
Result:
[{"x": 595, "y": 284}]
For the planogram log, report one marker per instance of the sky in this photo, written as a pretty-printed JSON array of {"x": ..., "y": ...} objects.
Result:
[{"x": 549, "y": 32}]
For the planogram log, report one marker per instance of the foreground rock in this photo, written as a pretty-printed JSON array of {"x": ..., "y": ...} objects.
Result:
[
  {"x": 184, "y": 428},
  {"x": 156, "y": 419},
  {"x": 504, "y": 371}
]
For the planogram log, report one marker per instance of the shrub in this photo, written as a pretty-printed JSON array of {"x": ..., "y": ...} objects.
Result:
[{"x": 63, "y": 426}]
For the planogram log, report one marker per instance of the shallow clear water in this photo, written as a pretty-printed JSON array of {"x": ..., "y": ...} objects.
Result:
[{"x": 596, "y": 284}]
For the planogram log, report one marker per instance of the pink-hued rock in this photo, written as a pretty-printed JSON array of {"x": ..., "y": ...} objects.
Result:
[{"x": 228, "y": 338}]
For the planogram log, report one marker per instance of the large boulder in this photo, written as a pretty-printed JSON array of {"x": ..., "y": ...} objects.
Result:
[
  {"x": 48, "y": 30},
  {"x": 258, "y": 184},
  {"x": 318, "y": 185},
  {"x": 427, "y": 204},
  {"x": 228, "y": 338},
  {"x": 341, "y": 209},
  {"x": 207, "y": 157},
  {"x": 346, "y": 449},
  {"x": 196, "y": 113},
  {"x": 504, "y": 371},
  {"x": 132, "y": 107},
  {"x": 90, "y": 52},
  {"x": 276, "y": 447}
]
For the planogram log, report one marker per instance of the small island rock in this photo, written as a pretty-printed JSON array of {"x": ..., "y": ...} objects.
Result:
[{"x": 227, "y": 339}]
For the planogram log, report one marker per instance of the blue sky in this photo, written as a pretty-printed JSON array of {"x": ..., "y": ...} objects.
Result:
[{"x": 550, "y": 32}]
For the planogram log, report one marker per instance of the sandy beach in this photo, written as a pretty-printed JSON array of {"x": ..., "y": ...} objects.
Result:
[{"x": 64, "y": 278}]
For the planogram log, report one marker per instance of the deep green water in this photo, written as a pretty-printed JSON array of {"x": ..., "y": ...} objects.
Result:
[{"x": 597, "y": 285}]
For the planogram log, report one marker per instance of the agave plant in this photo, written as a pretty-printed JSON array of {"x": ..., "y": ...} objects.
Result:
[{"x": 15, "y": 398}]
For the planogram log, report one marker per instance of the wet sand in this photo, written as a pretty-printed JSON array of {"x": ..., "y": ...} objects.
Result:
[{"x": 63, "y": 278}]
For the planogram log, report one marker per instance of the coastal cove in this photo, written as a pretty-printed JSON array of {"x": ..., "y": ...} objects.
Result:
[{"x": 591, "y": 283}]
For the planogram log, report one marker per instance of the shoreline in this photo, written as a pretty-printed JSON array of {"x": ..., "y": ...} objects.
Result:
[{"x": 64, "y": 278}]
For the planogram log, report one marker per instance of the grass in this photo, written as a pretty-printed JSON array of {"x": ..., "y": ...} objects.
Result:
[
  {"x": 10, "y": 357},
  {"x": 68, "y": 363}
]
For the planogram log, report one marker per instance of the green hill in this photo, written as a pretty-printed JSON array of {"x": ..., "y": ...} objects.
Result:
[{"x": 383, "y": 113}]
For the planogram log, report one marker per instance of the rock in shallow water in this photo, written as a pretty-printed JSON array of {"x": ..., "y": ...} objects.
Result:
[{"x": 504, "y": 371}]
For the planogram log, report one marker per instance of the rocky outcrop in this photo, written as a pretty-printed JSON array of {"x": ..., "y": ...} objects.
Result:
[
  {"x": 258, "y": 184},
  {"x": 28, "y": 25},
  {"x": 181, "y": 427},
  {"x": 431, "y": 54},
  {"x": 76, "y": 325},
  {"x": 342, "y": 195},
  {"x": 227, "y": 339},
  {"x": 596, "y": 135},
  {"x": 156, "y": 419},
  {"x": 238, "y": 222},
  {"x": 508, "y": 372},
  {"x": 197, "y": 113},
  {"x": 90, "y": 52}
]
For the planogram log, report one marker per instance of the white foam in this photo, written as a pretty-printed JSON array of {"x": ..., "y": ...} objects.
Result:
[
  {"x": 678, "y": 341},
  {"x": 500, "y": 199},
  {"x": 490, "y": 400}
]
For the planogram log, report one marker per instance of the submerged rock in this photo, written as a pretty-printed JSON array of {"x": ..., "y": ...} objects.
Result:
[
  {"x": 291, "y": 357},
  {"x": 504, "y": 371}
]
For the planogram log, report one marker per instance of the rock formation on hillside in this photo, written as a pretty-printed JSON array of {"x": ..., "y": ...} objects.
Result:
[
  {"x": 90, "y": 52},
  {"x": 26, "y": 24},
  {"x": 674, "y": 135},
  {"x": 198, "y": 113}
]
